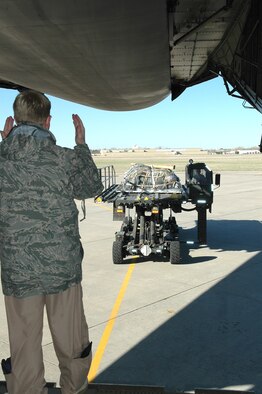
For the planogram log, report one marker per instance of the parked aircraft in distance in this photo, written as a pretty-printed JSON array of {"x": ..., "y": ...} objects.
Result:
[{"x": 128, "y": 55}]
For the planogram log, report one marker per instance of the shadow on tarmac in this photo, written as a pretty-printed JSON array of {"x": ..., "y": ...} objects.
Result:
[
  {"x": 214, "y": 342},
  {"x": 222, "y": 235}
]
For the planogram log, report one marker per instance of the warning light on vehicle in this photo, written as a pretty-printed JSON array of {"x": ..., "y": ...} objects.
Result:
[{"x": 155, "y": 210}]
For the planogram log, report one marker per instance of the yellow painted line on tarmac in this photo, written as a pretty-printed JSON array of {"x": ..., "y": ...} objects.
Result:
[
  {"x": 109, "y": 327},
  {"x": 100, "y": 205}
]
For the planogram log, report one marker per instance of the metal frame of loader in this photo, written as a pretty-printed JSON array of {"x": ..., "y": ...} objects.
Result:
[{"x": 144, "y": 230}]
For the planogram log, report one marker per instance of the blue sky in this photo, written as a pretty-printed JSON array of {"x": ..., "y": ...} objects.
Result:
[{"x": 203, "y": 116}]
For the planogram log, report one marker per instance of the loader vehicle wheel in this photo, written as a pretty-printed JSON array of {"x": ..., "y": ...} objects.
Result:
[
  {"x": 117, "y": 252},
  {"x": 175, "y": 252}
]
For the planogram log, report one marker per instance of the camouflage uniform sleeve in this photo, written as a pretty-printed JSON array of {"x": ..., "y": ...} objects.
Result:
[{"x": 83, "y": 173}]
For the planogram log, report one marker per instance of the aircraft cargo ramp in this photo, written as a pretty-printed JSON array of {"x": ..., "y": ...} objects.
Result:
[
  {"x": 197, "y": 324},
  {"x": 104, "y": 389},
  {"x": 130, "y": 389}
]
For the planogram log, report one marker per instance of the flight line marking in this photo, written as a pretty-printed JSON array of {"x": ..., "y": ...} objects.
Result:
[
  {"x": 103, "y": 207},
  {"x": 109, "y": 327}
]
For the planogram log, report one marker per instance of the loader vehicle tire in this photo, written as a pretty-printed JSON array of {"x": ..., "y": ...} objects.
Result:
[
  {"x": 117, "y": 252},
  {"x": 175, "y": 252}
]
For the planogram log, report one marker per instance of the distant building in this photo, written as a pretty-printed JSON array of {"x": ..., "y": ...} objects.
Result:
[
  {"x": 247, "y": 151},
  {"x": 233, "y": 151},
  {"x": 103, "y": 152}
]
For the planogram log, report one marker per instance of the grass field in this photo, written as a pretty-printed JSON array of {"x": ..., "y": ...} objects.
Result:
[{"x": 218, "y": 163}]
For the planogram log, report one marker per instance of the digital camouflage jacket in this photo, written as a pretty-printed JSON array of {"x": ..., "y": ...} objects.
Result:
[{"x": 40, "y": 248}]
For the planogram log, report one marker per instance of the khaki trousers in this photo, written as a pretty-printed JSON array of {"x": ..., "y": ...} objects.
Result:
[{"x": 69, "y": 332}]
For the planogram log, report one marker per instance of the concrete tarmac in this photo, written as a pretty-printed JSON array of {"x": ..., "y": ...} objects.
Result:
[{"x": 196, "y": 324}]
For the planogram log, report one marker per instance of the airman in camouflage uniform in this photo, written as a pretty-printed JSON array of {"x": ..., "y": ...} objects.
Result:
[{"x": 40, "y": 248}]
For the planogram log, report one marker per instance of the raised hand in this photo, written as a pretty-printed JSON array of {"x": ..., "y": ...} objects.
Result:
[
  {"x": 9, "y": 123},
  {"x": 79, "y": 130}
]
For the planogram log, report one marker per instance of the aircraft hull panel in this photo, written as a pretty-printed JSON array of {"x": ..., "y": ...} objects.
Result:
[
  {"x": 122, "y": 55},
  {"x": 114, "y": 58}
]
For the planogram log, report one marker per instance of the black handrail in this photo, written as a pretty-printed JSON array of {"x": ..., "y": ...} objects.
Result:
[{"x": 107, "y": 176}]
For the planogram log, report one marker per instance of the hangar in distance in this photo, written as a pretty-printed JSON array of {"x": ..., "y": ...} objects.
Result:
[{"x": 127, "y": 55}]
